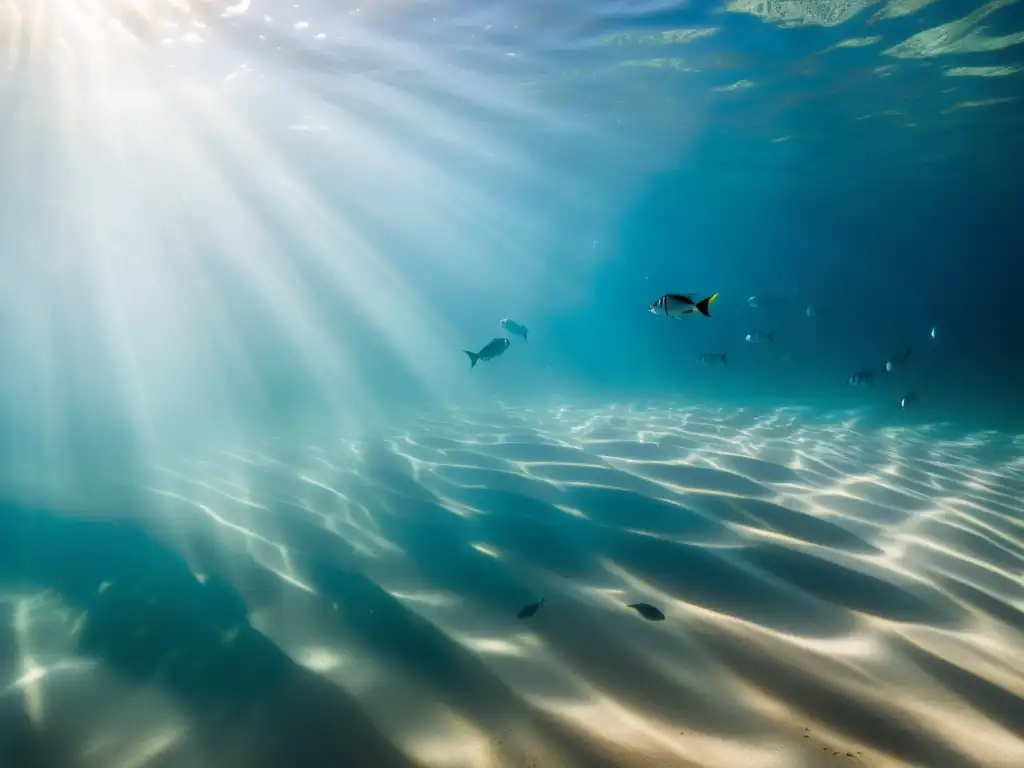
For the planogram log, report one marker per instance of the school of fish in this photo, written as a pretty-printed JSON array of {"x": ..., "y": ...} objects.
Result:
[{"x": 685, "y": 305}]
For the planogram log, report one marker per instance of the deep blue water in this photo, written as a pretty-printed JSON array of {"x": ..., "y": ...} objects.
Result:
[{"x": 257, "y": 509}]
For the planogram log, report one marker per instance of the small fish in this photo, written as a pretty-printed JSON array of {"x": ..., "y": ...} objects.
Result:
[
  {"x": 527, "y": 611},
  {"x": 810, "y": 311},
  {"x": 713, "y": 358},
  {"x": 495, "y": 348},
  {"x": 897, "y": 361},
  {"x": 934, "y": 333},
  {"x": 908, "y": 400},
  {"x": 648, "y": 611},
  {"x": 760, "y": 338},
  {"x": 767, "y": 302},
  {"x": 515, "y": 328},
  {"x": 860, "y": 378},
  {"x": 680, "y": 304}
]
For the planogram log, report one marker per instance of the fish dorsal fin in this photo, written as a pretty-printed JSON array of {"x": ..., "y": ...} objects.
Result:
[{"x": 685, "y": 298}]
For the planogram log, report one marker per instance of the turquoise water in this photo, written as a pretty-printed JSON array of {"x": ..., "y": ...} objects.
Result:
[{"x": 257, "y": 509}]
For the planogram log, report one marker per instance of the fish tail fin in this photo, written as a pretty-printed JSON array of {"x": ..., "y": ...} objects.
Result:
[
  {"x": 725, "y": 360},
  {"x": 704, "y": 305},
  {"x": 473, "y": 357}
]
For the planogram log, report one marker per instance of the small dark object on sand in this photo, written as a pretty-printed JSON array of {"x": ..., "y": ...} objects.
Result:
[
  {"x": 529, "y": 610},
  {"x": 648, "y": 611}
]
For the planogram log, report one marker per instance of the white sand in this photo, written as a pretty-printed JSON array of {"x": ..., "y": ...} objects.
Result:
[{"x": 832, "y": 592}]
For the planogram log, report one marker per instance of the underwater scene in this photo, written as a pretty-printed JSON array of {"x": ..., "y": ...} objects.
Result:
[{"x": 511, "y": 383}]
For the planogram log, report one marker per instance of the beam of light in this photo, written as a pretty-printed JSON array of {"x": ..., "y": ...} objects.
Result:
[{"x": 214, "y": 210}]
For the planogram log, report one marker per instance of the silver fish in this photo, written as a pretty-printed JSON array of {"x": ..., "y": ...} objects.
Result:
[
  {"x": 909, "y": 400},
  {"x": 897, "y": 361},
  {"x": 495, "y": 348},
  {"x": 713, "y": 358},
  {"x": 681, "y": 304},
  {"x": 767, "y": 302},
  {"x": 861, "y": 378},
  {"x": 758, "y": 337},
  {"x": 515, "y": 328}
]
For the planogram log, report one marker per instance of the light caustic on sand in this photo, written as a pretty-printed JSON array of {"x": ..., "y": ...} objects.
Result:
[{"x": 831, "y": 591}]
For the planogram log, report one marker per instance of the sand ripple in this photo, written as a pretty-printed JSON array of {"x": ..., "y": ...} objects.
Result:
[{"x": 832, "y": 593}]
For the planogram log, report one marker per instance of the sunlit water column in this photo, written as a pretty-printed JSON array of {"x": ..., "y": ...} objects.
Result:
[{"x": 202, "y": 238}]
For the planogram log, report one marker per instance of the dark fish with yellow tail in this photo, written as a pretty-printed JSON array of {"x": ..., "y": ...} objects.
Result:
[
  {"x": 679, "y": 305},
  {"x": 495, "y": 348}
]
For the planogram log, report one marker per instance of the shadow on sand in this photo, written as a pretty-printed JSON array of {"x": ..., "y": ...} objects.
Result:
[{"x": 357, "y": 606}]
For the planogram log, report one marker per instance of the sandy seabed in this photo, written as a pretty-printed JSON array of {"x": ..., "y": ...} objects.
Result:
[{"x": 834, "y": 594}]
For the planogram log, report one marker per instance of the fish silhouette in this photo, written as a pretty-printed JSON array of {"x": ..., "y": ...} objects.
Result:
[
  {"x": 528, "y": 611},
  {"x": 648, "y": 611}
]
